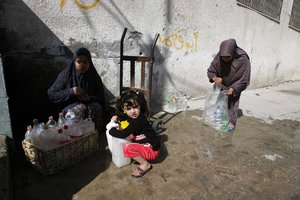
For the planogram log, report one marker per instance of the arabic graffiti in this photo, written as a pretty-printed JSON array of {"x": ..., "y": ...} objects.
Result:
[
  {"x": 80, "y": 5},
  {"x": 177, "y": 41}
]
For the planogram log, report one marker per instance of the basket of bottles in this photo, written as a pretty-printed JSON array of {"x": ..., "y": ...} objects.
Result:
[{"x": 53, "y": 147}]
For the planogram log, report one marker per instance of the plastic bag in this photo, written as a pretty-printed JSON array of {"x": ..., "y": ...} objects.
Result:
[{"x": 215, "y": 113}]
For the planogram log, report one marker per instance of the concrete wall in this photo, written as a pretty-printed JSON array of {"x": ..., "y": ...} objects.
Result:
[
  {"x": 45, "y": 32},
  {"x": 191, "y": 32}
]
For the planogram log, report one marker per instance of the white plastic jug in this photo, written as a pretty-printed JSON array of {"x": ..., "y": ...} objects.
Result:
[
  {"x": 87, "y": 126},
  {"x": 117, "y": 152}
]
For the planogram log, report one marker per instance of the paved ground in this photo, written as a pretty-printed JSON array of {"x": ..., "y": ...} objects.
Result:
[{"x": 259, "y": 160}]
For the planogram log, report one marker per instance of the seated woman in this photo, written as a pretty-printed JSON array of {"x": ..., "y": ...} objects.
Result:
[{"x": 79, "y": 89}]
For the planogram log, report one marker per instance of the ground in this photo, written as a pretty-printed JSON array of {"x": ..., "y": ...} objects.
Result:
[{"x": 259, "y": 160}]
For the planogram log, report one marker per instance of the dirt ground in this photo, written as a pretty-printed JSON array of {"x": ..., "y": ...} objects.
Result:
[{"x": 257, "y": 161}]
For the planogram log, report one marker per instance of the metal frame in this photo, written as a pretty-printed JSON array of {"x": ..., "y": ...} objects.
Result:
[{"x": 144, "y": 60}]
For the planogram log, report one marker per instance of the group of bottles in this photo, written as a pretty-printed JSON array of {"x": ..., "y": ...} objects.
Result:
[
  {"x": 52, "y": 134},
  {"x": 178, "y": 101},
  {"x": 220, "y": 119}
]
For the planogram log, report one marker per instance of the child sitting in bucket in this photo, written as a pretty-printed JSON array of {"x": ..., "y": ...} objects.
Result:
[{"x": 145, "y": 145}]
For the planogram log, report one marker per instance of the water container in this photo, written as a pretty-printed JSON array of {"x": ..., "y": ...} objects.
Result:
[
  {"x": 62, "y": 138},
  {"x": 28, "y": 132},
  {"x": 117, "y": 152},
  {"x": 48, "y": 138},
  {"x": 218, "y": 117},
  {"x": 61, "y": 120},
  {"x": 75, "y": 130},
  {"x": 35, "y": 133},
  {"x": 66, "y": 134},
  {"x": 87, "y": 126}
]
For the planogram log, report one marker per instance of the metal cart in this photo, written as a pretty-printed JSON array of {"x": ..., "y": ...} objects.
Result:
[{"x": 144, "y": 62}]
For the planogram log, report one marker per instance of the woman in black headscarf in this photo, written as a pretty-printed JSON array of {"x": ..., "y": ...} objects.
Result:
[
  {"x": 231, "y": 68},
  {"x": 79, "y": 88}
]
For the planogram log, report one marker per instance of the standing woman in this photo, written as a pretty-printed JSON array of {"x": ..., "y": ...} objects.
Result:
[
  {"x": 79, "y": 88},
  {"x": 231, "y": 68}
]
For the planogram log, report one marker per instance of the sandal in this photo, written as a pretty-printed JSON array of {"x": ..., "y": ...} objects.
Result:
[
  {"x": 141, "y": 172},
  {"x": 135, "y": 163},
  {"x": 230, "y": 127}
]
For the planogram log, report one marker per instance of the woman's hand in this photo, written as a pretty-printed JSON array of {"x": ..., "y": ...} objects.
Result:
[
  {"x": 229, "y": 91},
  {"x": 84, "y": 97},
  {"x": 217, "y": 80},
  {"x": 78, "y": 91}
]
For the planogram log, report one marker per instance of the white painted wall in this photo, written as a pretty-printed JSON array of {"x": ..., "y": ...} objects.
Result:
[{"x": 272, "y": 47}]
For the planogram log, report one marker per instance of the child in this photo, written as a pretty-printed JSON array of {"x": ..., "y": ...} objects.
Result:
[{"x": 132, "y": 107}]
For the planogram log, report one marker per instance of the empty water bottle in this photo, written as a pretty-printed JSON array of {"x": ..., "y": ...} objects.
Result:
[
  {"x": 75, "y": 130},
  {"x": 218, "y": 114},
  {"x": 62, "y": 138},
  {"x": 28, "y": 132},
  {"x": 217, "y": 117},
  {"x": 61, "y": 120},
  {"x": 48, "y": 138},
  {"x": 35, "y": 133}
]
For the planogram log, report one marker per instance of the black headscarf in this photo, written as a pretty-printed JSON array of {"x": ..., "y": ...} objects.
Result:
[
  {"x": 90, "y": 81},
  {"x": 82, "y": 79}
]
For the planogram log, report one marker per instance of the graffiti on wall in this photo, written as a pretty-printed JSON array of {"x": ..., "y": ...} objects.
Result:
[
  {"x": 81, "y": 5},
  {"x": 178, "y": 41}
]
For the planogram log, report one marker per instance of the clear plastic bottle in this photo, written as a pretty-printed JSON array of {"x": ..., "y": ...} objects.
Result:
[
  {"x": 66, "y": 133},
  {"x": 61, "y": 120},
  {"x": 87, "y": 126},
  {"x": 51, "y": 122},
  {"x": 48, "y": 138},
  {"x": 62, "y": 138},
  {"x": 218, "y": 117},
  {"x": 28, "y": 133},
  {"x": 185, "y": 102},
  {"x": 35, "y": 133},
  {"x": 75, "y": 130}
]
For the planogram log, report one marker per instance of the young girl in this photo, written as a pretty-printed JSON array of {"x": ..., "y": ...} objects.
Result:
[{"x": 132, "y": 107}]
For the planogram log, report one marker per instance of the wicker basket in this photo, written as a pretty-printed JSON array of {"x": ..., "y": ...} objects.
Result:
[{"x": 52, "y": 161}]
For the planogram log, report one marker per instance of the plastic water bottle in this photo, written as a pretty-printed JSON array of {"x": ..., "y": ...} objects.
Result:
[
  {"x": 218, "y": 117},
  {"x": 62, "y": 138},
  {"x": 87, "y": 126},
  {"x": 66, "y": 133},
  {"x": 218, "y": 114},
  {"x": 51, "y": 122},
  {"x": 75, "y": 130},
  {"x": 48, "y": 138},
  {"x": 61, "y": 120},
  {"x": 185, "y": 102},
  {"x": 28, "y": 132},
  {"x": 35, "y": 133}
]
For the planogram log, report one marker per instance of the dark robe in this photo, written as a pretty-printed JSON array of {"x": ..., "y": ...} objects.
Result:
[
  {"x": 61, "y": 91},
  {"x": 235, "y": 74}
]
